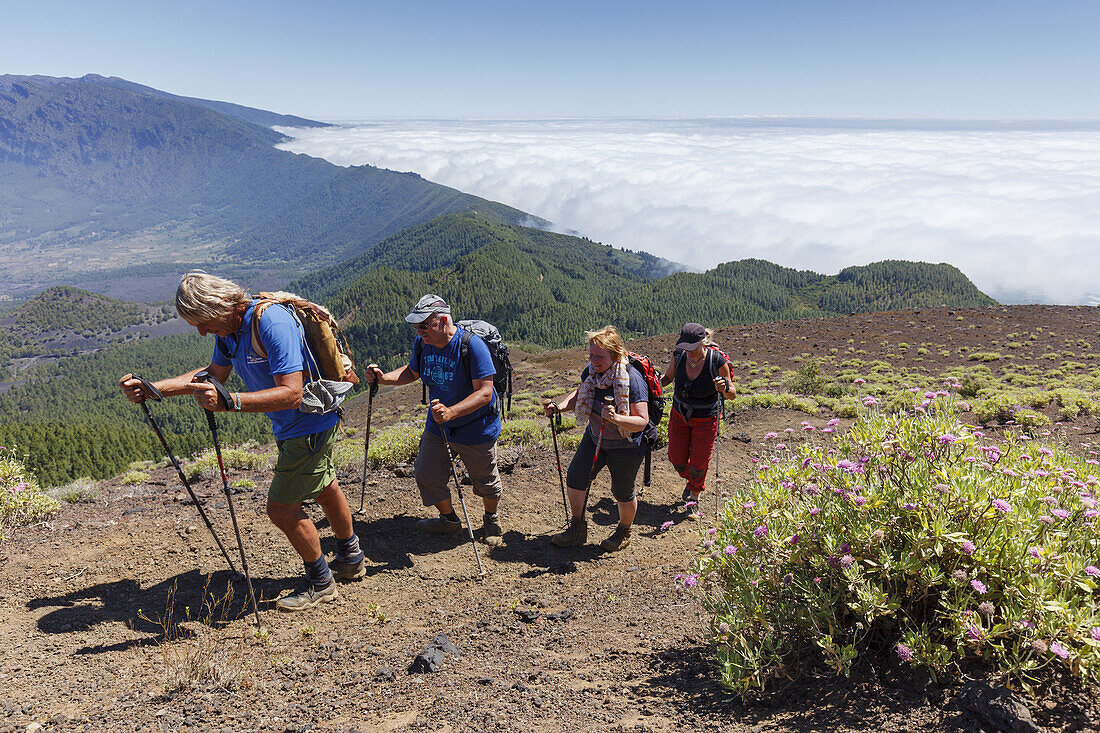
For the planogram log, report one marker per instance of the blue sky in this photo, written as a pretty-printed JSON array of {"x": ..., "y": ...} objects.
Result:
[{"x": 516, "y": 59}]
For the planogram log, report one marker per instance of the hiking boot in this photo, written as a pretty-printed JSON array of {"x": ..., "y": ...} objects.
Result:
[
  {"x": 575, "y": 534},
  {"x": 344, "y": 570},
  {"x": 308, "y": 598},
  {"x": 491, "y": 532},
  {"x": 617, "y": 541},
  {"x": 439, "y": 525}
]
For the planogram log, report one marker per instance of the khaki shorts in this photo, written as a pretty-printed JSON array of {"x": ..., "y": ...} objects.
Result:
[
  {"x": 433, "y": 468},
  {"x": 305, "y": 467}
]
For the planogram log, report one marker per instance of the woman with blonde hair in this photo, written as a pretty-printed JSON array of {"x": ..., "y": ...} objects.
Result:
[
  {"x": 702, "y": 376},
  {"x": 614, "y": 400}
]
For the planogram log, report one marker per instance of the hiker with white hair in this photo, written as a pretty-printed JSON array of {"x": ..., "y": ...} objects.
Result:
[
  {"x": 305, "y": 470},
  {"x": 457, "y": 368}
]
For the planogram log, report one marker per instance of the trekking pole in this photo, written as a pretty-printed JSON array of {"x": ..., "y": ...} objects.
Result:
[
  {"x": 718, "y": 481},
  {"x": 148, "y": 388},
  {"x": 555, "y": 419},
  {"x": 591, "y": 478},
  {"x": 225, "y": 399},
  {"x": 366, "y": 440},
  {"x": 458, "y": 486}
]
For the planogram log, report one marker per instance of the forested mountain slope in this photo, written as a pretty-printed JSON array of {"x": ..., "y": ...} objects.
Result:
[{"x": 547, "y": 289}]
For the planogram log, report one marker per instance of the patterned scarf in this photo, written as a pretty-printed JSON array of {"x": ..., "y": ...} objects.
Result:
[{"x": 617, "y": 377}]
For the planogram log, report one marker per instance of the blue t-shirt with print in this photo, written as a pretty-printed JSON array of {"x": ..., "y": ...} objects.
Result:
[
  {"x": 612, "y": 438},
  {"x": 286, "y": 353},
  {"x": 444, "y": 371}
]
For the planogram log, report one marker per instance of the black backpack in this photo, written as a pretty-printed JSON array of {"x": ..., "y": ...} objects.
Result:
[{"x": 487, "y": 332}]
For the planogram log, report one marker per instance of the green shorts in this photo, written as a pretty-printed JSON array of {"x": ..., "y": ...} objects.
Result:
[{"x": 305, "y": 467}]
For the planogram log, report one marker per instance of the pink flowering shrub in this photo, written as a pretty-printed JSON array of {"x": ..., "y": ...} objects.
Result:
[
  {"x": 939, "y": 551},
  {"x": 21, "y": 499}
]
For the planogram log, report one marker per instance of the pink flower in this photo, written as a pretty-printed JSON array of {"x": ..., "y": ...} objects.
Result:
[
  {"x": 968, "y": 548},
  {"x": 1095, "y": 633},
  {"x": 869, "y": 401},
  {"x": 948, "y": 439},
  {"x": 815, "y": 511},
  {"x": 1093, "y": 571},
  {"x": 909, "y": 506},
  {"x": 688, "y": 504},
  {"x": 978, "y": 585},
  {"x": 904, "y": 653},
  {"x": 833, "y": 423},
  {"x": 760, "y": 531},
  {"x": 818, "y": 581},
  {"x": 730, "y": 550},
  {"x": 1002, "y": 506},
  {"x": 666, "y": 525},
  {"x": 1059, "y": 650},
  {"x": 769, "y": 436},
  {"x": 846, "y": 561},
  {"x": 859, "y": 380},
  {"x": 748, "y": 505},
  {"x": 974, "y": 632},
  {"x": 1060, "y": 513},
  {"x": 1034, "y": 551}
]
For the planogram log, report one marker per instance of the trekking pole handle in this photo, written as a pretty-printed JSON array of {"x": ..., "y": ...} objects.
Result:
[
  {"x": 224, "y": 398},
  {"x": 373, "y": 385},
  {"x": 147, "y": 387}
]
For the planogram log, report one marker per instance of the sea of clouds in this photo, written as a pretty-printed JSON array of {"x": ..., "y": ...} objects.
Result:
[{"x": 1016, "y": 207}]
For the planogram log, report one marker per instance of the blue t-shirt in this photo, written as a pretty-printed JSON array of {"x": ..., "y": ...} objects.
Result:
[
  {"x": 286, "y": 353},
  {"x": 612, "y": 438},
  {"x": 444, "y": 371}
]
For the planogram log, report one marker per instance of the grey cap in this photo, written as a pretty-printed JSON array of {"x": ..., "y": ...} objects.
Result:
[{"x": 426, "y": 306}]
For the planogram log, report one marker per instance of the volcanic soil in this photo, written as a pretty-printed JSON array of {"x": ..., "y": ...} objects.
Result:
[{"x": 112, "y": 602}]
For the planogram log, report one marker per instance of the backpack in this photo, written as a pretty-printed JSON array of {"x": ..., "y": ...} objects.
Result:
[
  {"x": 650, "y": 437},
  {"x": 487, "y": 332},
  {"x": 324, "y": 339}
]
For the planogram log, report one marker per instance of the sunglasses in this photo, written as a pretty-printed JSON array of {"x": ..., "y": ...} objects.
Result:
[{"x": 427, "y": 323}]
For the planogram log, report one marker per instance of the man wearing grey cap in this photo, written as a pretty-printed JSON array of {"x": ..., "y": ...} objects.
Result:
[{"x": 456, "y": 366}]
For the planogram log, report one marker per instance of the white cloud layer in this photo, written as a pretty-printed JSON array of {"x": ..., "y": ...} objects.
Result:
[{"x": 1016, "y": 209}]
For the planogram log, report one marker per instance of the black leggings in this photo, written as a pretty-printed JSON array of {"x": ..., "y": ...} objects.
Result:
[{"x": 623, "y": 463}]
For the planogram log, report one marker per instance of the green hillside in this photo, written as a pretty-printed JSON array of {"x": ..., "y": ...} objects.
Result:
[{"x": 547, "y": 289}]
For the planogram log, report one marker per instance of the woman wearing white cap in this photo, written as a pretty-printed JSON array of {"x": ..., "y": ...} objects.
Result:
[{"x": 702, "y": 376}]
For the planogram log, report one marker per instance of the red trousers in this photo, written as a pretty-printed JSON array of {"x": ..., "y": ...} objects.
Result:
[{"x": 690, "y": 443}]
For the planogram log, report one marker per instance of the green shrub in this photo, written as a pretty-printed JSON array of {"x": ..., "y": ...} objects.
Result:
[
  {"x": 525, "y": 431},
  {"x": 243, "y": 483},
  {"x": 808, "y": 380},
  {"x": 206, "y": 464},
  {"x": 388, "y": 447},
  {"x": 21, "y": 498},
  {"x": 847, "y": 407},
  {"x": 985, "y": 356},
  {"x": 134, "y": 478},
  {"x": 77, "y": 490},
  {"x": 1000, "y": 408},
  {"x": 913, "y": 540}
]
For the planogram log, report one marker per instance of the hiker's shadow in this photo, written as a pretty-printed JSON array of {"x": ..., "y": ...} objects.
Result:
[{"x": 157, "y": 613}]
